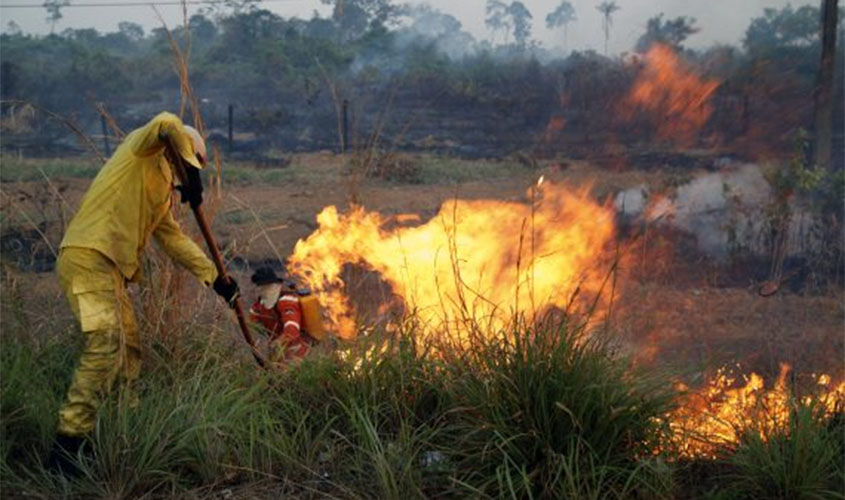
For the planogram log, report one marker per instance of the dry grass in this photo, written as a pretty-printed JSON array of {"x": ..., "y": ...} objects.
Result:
[
  {"x": 673, "y": 312},
  {"x": 704, "y": 327}
]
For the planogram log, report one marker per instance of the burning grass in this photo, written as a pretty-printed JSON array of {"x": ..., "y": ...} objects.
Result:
[
  {"x": 672, "y": 95},
  {"x": 515, "y": 407},
  {"x": 550, "y": 412},
  {"x": 386, "y": 420},
  {"x": 716, "y": 418},
  {"x": 475, "y": 262}
]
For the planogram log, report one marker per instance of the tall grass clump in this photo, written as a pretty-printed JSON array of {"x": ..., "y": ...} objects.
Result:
[
  {"x": 804, "y": 459},
  {"x": 174, "y": 437},
  {"x": 186, "y": 430},
  {"x": 30, "y": 392},
  {"x": 382, "y": 408},
  {"x": 538, "y": 415},
  {"x": 546, "y": 411},
  {"x": 31, "y": 374}
]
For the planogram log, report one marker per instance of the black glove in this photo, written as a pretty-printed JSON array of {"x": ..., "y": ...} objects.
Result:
[
  {"x": 227, "y": 289},
  {"x": 192, "y": 189}
]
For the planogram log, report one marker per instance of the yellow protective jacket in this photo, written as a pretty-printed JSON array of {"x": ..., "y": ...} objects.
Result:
[{"x": 129, "y": 201}]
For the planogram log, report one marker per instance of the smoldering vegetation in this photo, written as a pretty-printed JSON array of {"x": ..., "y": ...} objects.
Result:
[
  {"x": 383, "y": 80},
  {"x": 734, "y": 217},
  {"x": 725, "y": 199},
  {"x": 416, "y": 79},
  {"x": 538, "y": 408}
]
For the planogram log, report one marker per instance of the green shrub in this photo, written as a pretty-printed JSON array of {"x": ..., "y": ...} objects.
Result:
[
  {"x": 539, "y": 415},
  {"x": 534, "y": 411},
  {"x": 550, "y": 413},
  {"x": 802, "y": 460},
  {"x": 31, "y": 390}
]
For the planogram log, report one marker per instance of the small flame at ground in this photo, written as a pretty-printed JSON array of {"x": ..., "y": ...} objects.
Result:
[
  {"x": 480, "y": 260},
  {"x": 715, "y": 416},
  {"x": 668, "y": 90}
]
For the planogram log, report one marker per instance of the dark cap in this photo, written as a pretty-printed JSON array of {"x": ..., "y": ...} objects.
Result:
[{"x": 265, "y": 276}]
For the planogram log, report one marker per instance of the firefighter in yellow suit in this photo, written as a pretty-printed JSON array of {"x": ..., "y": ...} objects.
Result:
[{"x": 127, "y": 203}]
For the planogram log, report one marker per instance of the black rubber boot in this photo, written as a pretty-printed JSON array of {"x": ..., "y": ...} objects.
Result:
[{"x": 64, "y": 455}]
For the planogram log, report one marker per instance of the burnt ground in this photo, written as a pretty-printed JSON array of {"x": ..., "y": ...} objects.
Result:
[{"x": 672, "y": 312}]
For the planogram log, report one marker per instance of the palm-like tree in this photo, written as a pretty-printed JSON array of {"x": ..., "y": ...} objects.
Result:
[
  {"x": 54, "y": 11},
  {"x": 521, "y": 17},
  {"x": 498, "y": 17},
  {"x": 607, "y": 9},
  {"x": 562, "y": 16}
]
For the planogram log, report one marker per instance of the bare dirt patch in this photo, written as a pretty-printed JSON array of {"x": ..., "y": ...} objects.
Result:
[{"x": 679, "y": 320}]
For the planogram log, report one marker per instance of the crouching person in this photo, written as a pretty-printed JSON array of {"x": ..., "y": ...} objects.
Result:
[{"x": 289, "y": 316}]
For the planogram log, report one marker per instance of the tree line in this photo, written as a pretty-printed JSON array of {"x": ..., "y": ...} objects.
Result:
[{"x": 413, "y": 72}]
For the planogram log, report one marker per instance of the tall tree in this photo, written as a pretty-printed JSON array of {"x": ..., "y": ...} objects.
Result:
[
  {"x": 607, "y": 9},
  {"x": 521, "y": 17},
  {"x": 780, "y": 28},
  {"x": 444, "y": 29},
  {"x": 203, "y": 31},
  {"x": 498, "y": 17},
  {"x": 431, "y": 22},
  {"x": 132, "y": 31},
  {"x": 671, "y": 32},
  {"x": 355, "y": 17},
  {"x": 12, "y": 28},
  {"x": 54, "y": 11},
  {"x": 823, "y": 94},
  {"x": 561, "y": 16}
]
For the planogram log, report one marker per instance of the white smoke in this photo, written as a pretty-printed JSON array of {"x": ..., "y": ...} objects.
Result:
[
  {"x": 721, "y": 209},
  {"x": 632, "y": 201}
]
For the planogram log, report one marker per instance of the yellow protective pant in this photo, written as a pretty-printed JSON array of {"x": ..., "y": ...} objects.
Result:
[{"x": 96, "y": 291}]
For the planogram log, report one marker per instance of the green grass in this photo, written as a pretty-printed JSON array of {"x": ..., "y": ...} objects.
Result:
[
  {"x": 517, "y": 418},
  {"x": 31, "y": 390},
  {"x": 539, "y": 412},
  {"x": 14, "y": 169},
  {"x": 804, "y": 460},
  {"x": 428, "y": 170},
  {"x": 444, "y": 170},
  {"x": 244, "y": 173},
  {"x": 552, "y": 414}
]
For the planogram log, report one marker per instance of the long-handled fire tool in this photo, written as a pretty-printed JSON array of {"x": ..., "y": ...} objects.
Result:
[{"x": 179, "y": 170}]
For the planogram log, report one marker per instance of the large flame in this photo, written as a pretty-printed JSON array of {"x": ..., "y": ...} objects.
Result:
[
  {"x": 715, "y": 416},
  {"x": 477, "y": 261},
  {"x": 485, "y": 261},
  {"x": 676, "y": 99}
]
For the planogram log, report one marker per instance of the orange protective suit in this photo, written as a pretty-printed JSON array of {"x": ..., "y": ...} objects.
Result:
[{"x": 282, "y": 319}]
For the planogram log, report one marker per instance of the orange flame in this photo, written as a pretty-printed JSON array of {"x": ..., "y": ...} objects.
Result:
[
  {"x": 717, "y": 415},
  {"x": 480, "y": 260},
  {"x": 669, "y": 91},
  {"x": 484, "y": 261}
]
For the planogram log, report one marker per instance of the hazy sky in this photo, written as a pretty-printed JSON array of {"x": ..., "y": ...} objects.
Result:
[{"x": 719, "y": 20}]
